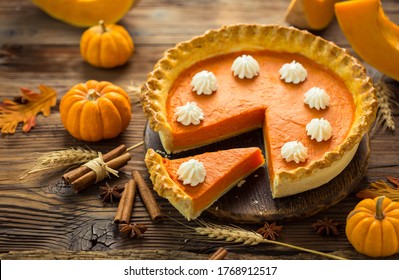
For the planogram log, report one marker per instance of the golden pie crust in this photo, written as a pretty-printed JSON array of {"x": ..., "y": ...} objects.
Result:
[
  {"x": 238, "y": 38},
  {"x": 224, "y": 169}
]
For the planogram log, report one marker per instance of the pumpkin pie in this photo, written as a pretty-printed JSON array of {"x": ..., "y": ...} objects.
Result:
[
  {"x": 312, "y": 99},
  {"x": 222, "y": 171}
]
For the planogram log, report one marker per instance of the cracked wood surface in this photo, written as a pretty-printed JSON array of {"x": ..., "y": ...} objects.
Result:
[{"x": 40, "y": 219}]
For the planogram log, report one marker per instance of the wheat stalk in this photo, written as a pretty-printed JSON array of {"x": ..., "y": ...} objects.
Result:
[
  {"x": 60, "y": 159},
  {"x": 135, "y": 146},
  {"x": 64, "y": 159},
  {"x": 379, "y": 188},
  {"x": 386, "y": 102},
  {"x": 239, "y": 235},
  {"x": 229, "y": 233},
  {"x": 134, "y": 89}
]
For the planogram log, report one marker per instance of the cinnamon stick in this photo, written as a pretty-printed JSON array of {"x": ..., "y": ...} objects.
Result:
[
  {"x": 147, "y": 197},
  {"x": 124, "y": 211},
  {"x": 219, "y": 254},
  {"x": 90, "y": 178},
  {"x": 76, "y": 173}
]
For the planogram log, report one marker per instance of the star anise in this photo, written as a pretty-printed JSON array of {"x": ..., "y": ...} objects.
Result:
[
  {"x": 270, "y": 231},
  {"x": 326, "y": 227},
  {"x": 132, "y": 230},
  {"x": 110, "y": 193}
]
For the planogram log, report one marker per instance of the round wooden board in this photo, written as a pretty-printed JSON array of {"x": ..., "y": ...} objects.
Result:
[{"x": 253, "y": 202}]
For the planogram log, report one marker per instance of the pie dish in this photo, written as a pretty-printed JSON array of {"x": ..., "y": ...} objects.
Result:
[
  {"x": 267, "y": 101},
  {"x": 224, "y": 170}
]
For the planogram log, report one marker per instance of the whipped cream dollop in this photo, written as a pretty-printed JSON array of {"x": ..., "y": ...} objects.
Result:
[
  {"x": 245, "y": 66},
  {"x": 189, "y": 113},
  {"x": 317, "y": 98},
  {"x": 293, "y": 72},
  {"x": 191, "y": 172},
  {"x": 294, "y": 151},
  {"x": 204, "y": 82},
  {"x": 319, "y": 129}
]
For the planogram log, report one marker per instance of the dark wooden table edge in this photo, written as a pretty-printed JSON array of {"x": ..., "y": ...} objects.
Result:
[{"x": 163, "y": 255}]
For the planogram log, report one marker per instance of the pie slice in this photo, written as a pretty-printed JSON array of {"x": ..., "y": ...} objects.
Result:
[
  {"x": 224, "y": 170},
  {"x": 226, "y": 103}
]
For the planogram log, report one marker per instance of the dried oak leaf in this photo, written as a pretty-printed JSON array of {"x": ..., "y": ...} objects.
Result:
[
  {"x": 25, "y": 108},
  {"x": 381, "y": 188}
]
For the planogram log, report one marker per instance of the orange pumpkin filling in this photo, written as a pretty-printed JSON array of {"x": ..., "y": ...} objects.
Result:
[
  {"x": 224, "y": 169},
  {"x": 264, "y": 101}
]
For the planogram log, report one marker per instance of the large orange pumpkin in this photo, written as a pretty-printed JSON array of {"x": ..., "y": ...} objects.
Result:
[
  {"x": 94, "y": 110},
  {"x": 371, "y": 34},
  {"x": 106, "y": 45},
  {"x": 373, "y": 227},
  {"x": 85, "y": 13}
]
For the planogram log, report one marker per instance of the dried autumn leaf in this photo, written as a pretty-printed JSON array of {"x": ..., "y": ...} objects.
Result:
[
  {"x": 25, "y": 108},
  {"x": 380, "y": 188},
  {"x": 394, "y": 181}
]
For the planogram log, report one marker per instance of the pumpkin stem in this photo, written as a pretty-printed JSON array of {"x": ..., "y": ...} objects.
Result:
[
  {"x": 102, "y": 24},
  {"x": 379, "y": 214},
  {"x": 92, "y": 94}
]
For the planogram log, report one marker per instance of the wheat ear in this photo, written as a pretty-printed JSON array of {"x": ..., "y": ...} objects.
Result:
[
  {"x": 60, "y": 159},
  {"x": 386, "y": 102},
  {"x": 239, "y": 235},
  {"x": 64, "y": 159},
  {"x": 134, "y": 90}
]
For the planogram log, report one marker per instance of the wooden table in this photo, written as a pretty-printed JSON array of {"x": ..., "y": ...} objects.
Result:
[{"x": 38, "y": 221}]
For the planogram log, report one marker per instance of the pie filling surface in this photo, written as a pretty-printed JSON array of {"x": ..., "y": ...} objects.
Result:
[
  {"x": 224, "y": 169},
  {"x": 266, "y": 101}
]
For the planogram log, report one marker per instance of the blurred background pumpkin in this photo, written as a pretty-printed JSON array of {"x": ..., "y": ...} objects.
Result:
[
  {"x": 106, "y": 45},
  {"x": 85, "y": 13}
]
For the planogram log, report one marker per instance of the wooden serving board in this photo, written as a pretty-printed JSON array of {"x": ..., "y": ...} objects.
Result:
[{"x": 253, "y": 202}]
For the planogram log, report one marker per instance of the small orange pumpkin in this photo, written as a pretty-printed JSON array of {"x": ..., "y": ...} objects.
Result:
[
  {"x": 373, "y": 227},
  {"x": 94, "y": 110},
  {"x": 106, "y": 46}
]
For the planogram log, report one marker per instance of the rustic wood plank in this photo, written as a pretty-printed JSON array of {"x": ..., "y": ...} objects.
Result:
[
  {"x": 145, "y": 255},
  {"x": 157, "y": 254},
  {"x": 41, "y": 217}
]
